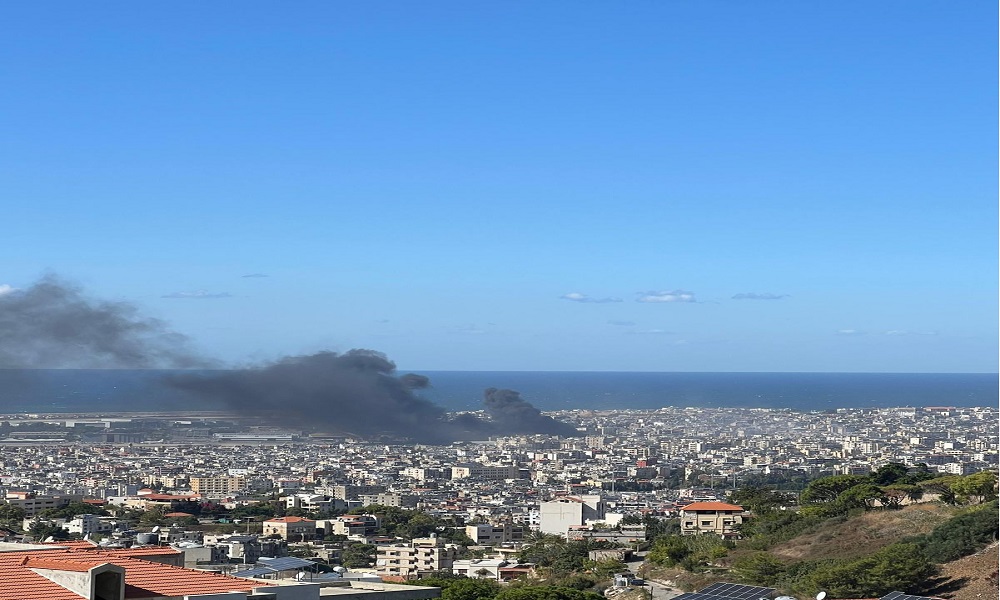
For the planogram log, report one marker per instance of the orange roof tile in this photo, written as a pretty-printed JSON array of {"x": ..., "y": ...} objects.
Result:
[
  {"x": 143, "y": 579},
  {"x": 60, "y": 564}
]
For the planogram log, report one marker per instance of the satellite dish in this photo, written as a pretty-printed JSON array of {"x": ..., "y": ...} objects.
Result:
[{"x": 820, "y": 596}]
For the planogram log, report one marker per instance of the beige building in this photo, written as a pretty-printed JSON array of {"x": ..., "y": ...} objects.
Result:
[
  {"x": 34, "y": 504},
  {"x": 489, "y": 472},
  {"x": 718, "y": 518},
  {"x": 493, "y": 535},
  {"x": 417, "y": 558},
  {"x": 293, "y": 529},
  {"x": 217, "y": 486},
  {"x": 393, "y": 499}
]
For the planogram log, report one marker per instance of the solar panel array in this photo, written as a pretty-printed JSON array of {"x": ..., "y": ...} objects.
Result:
[
  {"x": 255, "y": 572},
  {"x": 902, "y": 596},
  {"x": 699, "y": 596},
  {"x": 737, "y": 591},
  {"x": 285, "y": 563}
]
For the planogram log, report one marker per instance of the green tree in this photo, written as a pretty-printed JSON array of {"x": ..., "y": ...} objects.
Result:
[
  {"x": 545, "y": 593},
  {"x": 668, "y": 551},
  {"x": 864, "y": 496},
  {"x": 976, "y": 488},
  {"x": 759, "y": 499},
  {"x": 759, "y": 568},
  {"x": 827, "y": 489},
  {"x": 11, "y": 513},
  {"x": 940, "y": 486},
  {"x": 890, "y": 473},
  {"x": 605, "y": 569},
  {"x": 42, "y": 530},
  {"x": 153, "y": 516},
  {"x": 894, "y": 495},
  {"x": 963, "y": 534},
  {"x": 470, "y": 589},
  {"x": 900, "y": 567},
  {"x": 357, "y": 556}
]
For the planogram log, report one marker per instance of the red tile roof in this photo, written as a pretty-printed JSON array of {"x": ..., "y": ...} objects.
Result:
[
  {"x": 61, "y": 564},
  {"x": 143, "y": 579}
]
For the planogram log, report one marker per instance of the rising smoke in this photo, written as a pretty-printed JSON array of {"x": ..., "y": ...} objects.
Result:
[
  {"x": 355, "y": 392},
  {"x": 53, "y": 324},
  {"x": 510, "y": 413}
]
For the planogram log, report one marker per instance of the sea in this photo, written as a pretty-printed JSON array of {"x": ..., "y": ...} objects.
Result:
[{"x": 91, "y": 391}]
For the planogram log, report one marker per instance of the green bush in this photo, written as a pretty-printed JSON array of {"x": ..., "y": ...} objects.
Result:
[{"x": 963, "y": 534}]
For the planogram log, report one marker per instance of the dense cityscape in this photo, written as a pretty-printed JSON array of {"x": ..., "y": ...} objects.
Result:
[
  {"x": 499, "y": 300},
  {"x": 212, "y": 491}
]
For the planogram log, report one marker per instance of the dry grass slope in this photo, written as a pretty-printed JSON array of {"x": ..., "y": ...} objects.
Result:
[
  {"x": 977, "y": 575},
  {"x": 865, "y": 534}
]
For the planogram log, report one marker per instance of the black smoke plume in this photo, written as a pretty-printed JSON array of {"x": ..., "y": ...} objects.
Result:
[
  {"x": 510, "y": 413},
  {"x": 355, "y": 392},
  {"x": 53, "y": 324},
  {"x": 358, "y": 393}
]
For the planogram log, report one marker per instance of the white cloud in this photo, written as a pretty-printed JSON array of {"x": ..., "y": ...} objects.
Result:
[
  {"x": 667, "y": 296},
  {"x": 899, "y": 332},
  {"x": 6, "y": 288},
  {"x": 578, "y": 297},
  {"x": 197, "y": 295},
  {"x": 850, "y": 332}
]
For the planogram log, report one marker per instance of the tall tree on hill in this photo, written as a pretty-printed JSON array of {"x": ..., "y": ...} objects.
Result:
[{"x": 827, "y": 489}]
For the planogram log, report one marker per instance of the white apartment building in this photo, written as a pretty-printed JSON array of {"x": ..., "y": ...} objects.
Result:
[{"x": 559, "y": 515}]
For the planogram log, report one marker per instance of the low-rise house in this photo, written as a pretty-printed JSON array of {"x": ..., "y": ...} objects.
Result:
[
  {"x": 479, "y": 568},
  {"x": 294, "y": 529},
  {"x": 718, "y": 518}
]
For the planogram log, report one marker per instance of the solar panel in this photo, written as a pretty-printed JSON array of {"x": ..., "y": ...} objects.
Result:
[
  {"x": 699, "y": 596},
  {"x": 285, "y": 563},
  {"x": 737, "y": 591},
  {"x": 256, "y": 571},
  {"x": 904, "y": 596}
]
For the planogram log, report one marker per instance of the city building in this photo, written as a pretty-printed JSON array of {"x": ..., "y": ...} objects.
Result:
[
  {"x": 408, "y": 561},
  {"x": 218, "y": 486},
  {"x": 293, "y": 529},
  {"x": 718, "y": 518},
  {"x": 560, "y": 515}
]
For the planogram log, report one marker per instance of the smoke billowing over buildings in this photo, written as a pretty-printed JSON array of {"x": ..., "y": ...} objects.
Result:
[{"x": 53, "y": 324}]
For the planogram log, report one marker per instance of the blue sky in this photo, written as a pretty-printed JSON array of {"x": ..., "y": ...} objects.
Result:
[{"x": 790, "y": 186}]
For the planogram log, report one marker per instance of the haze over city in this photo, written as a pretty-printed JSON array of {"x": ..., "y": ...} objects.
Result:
[{"x": 517, "y": 186}]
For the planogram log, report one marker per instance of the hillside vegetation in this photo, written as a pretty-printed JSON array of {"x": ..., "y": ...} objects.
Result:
[{"x": 852, "y": 536}]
